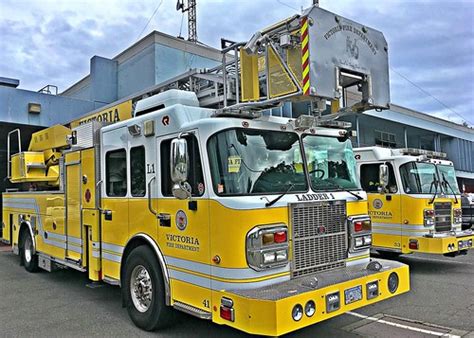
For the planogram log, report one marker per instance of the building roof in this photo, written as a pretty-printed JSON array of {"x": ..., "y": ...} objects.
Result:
[
  {"x": 159, "y": 38},
  {"x": 424, "y": 121}
]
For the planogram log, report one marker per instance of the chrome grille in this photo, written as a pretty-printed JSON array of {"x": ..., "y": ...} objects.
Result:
[
  {"x": 319, "y": 236},
  {"x": 442, "y": 216}
]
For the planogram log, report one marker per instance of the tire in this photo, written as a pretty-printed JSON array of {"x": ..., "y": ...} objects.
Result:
[
  {"x": 28, "y": 259},
  {"x": 146, "y": 307}
]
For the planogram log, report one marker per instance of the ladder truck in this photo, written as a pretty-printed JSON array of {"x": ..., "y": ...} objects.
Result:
[
  {"x": 414, "y": 201},
  {"x": 196, "y": 201}
]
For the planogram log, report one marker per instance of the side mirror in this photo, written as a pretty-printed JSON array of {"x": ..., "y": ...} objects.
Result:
[
  {"x": 179, "y": 168},
  {"x": 383, "y": 176}
]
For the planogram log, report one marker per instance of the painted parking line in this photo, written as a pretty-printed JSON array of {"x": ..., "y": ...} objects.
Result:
[{"x": 419, "y": 330}]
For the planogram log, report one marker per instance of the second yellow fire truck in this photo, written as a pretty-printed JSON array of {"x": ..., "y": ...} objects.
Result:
[
  {"x": 414, "y": 201},
  {"x": 252, "y": 221}
]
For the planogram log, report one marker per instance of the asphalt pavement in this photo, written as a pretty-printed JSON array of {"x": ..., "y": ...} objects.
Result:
[{"x": 440, "y": 303}]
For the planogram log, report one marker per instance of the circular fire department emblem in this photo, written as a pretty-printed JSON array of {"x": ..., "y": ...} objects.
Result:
[
  {"x": 181, "y": 220},
  {"x": 377, "y": 203}
]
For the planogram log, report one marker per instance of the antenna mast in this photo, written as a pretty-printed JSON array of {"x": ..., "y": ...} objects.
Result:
[{"x": 192, "y": 18}]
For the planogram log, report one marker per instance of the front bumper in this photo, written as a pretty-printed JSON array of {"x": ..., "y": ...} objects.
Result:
[
  {"x": 268, "y": 310},
  {"x": 447, "y": 244}
]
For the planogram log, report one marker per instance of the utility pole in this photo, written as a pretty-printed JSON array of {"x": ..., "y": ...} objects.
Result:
[{"x": 192, "y": 18}]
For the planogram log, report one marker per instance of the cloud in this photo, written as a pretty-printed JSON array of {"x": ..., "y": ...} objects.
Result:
[{"x": 51, "y": 42}]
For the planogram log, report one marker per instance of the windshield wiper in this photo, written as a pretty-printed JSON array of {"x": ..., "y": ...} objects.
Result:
[
  {"x": 342, "y": 188},
  {"x": 270, "y": 203},
  {"x": 435, "y": 184},
  {"x": 450, "y": 187}
]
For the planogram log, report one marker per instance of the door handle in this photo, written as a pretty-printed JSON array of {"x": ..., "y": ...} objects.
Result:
[
  {"x": 150, "y": 207},
  {"x": 107, "y": 215}
]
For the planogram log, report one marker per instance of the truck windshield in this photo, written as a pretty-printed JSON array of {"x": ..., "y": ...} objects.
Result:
[
  {"x": 249, "y": 161},
  {"x": 419, "y": 178},
  {"x": 448, "y": 180},
  {"x": 331, "y": 163}
]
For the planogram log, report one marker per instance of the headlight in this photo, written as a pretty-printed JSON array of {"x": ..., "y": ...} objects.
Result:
[
  {"x": 267, "y": 247},
  {"x": 360, "y": 229},
  {"x": 457, "y": 216},
  {"x": 428, "y": 217}
]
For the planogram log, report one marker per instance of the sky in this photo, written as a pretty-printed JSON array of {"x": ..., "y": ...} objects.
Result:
[{"x": 431, "y": 43}]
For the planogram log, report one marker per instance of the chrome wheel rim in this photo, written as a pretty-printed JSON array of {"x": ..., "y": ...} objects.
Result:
[
  {"x": 141, "y": 288},
  {"x": 28, "y": 250}
]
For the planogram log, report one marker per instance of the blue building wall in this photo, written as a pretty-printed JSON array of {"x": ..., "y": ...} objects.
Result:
[
  {"x": 54, "y": 108},
  {"x": 171, "y": 62},
  {"x": 136, "y": 73}
]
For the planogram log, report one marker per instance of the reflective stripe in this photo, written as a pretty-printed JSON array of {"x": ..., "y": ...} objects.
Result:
[
  {"x": 74, "y": 240},
  {"x": 56, "y": 236},
  {"x": 61, "y": 245},
  {"x": 111, "y": 257},
  {"x": 226, "y": 273},
  {"x": 112, "y": 247},
  {"x": 218, "y": 285},
  {"x": 406, "y": 227},
  {"x": 30, "y": 203},
  {"x": 96, "y": 254},
  {"x": 398, "y": 233},
  {"x": 74, "y": 248}
]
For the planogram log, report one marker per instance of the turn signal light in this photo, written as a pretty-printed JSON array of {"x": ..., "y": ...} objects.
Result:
[
  {"x": 429, "y": 213},
  {"x": 279, "y": 237},
  {"x": 457, "y": 212},
  {"x": 362, "y": 225}
]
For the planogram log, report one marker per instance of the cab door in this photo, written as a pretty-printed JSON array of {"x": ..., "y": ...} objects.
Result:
[
  {"x": 183, "y": 226},
  {"x": 115, "y": 198},
  {"x": 384, "y": 206}
]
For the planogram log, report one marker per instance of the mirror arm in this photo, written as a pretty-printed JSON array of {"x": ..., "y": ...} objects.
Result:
[{"x": 150, "y": 207}]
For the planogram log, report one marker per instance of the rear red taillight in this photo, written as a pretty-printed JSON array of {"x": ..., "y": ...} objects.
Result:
[
  {"x": 413, "y": 244},
  {"x": 227, "y": 309},
  {"x": 279, "y": 237},
  {"x": 226, "y": 313}
]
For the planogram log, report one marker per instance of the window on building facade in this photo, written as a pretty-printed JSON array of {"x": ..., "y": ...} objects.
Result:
[{"x": 385, "y": 139}]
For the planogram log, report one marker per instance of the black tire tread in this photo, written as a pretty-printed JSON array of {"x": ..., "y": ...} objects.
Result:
[{"x": 159, "y": 315}]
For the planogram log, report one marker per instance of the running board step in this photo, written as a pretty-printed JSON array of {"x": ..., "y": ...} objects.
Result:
[{"x": 191, "y": 310}]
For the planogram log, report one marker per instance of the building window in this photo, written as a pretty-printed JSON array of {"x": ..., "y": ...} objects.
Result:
[
  {"x": 195, "y": 176},
  {"x": 369, "y": 178},
  {"x": 137, "y": 171},
  {"x": 116, "y": 173},
  {"x": 385, "y": 139}
]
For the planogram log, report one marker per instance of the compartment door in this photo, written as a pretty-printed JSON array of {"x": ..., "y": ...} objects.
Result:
[{"x": 73, "y": 207}]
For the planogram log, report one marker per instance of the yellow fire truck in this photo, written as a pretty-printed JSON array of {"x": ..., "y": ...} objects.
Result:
[
  {"x": 202, "y": 203},
  {"x": 414, "y": 201}
]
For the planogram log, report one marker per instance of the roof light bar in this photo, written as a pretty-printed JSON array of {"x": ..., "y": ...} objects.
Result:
[{"x": 418, "y": 152}]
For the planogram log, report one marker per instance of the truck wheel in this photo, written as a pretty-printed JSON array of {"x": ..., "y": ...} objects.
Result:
[
  {"x": 28, "y": 259},
  {"x": 144, "y": 290}
]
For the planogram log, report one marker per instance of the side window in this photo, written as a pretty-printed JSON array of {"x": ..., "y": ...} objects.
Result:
[
  {"x": 137, "y": 171},
  {"x": 195, "y": 176},
  {"x": 116, "y": 173},
  {"x": 369, "y": 178}
]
